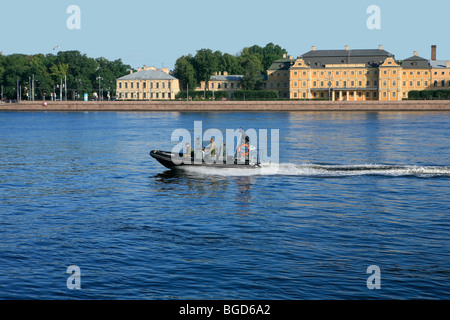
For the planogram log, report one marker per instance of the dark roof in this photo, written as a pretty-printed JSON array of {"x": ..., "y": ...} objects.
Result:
[
  {"x": 415, "y": 62},
  {"x": 281, "y": 64},
  {"x": 226, "y": 77},
  {"x": 368, "y": 57}
]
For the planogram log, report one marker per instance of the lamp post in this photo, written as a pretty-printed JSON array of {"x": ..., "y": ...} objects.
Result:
[
  {"x": 330, "y": 80},
  {"x": 99, "y": 78}
]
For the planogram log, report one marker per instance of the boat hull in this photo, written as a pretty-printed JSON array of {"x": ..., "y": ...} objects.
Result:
[{"x": 165, "y": 158}]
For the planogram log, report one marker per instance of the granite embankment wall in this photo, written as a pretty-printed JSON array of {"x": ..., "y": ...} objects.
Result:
[{"x": 198, "y": 106}]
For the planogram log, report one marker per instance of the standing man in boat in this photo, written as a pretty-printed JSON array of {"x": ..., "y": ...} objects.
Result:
[
  {"x": 211, "y": 149},
  {"x": 189, "y": 151}
]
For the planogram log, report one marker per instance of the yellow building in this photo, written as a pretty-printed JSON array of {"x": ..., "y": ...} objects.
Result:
[
  {"x": 148, "y": 83},
  {"x": 416, "y": 74},
  {"x": 222, "y": 82},
  {"x": 440, "y": 72},
  {"x": 278, "y": 76},
  {"x": 368, "y": 74},
  {"x": 350, "y": 75}
]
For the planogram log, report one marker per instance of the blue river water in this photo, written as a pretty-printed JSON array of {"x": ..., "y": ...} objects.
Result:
[{"x": 352, "y": 190}]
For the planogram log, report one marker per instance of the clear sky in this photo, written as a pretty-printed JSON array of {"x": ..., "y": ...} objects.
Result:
[{"x": 156, "y": 33}]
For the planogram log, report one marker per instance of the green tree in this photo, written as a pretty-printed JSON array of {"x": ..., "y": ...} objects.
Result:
[
  {"x": 185, "y": 72},
  {"x": 206, "y": 63},
  {"x": 252, "y": 75}
]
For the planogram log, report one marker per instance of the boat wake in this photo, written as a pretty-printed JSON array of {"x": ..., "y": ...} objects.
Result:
[{"x": 325, "y": 170}]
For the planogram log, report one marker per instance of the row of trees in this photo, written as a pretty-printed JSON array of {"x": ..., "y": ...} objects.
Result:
[
  {"x": 76, "y": 72},
  {"x": 429, "y": 95},
  {"x": 252, "y": 62}
]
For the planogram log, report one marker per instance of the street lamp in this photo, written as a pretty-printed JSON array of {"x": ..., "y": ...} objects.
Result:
[
  {"x": 99, "y": 78},
  {"x": 330, "y": 80}
]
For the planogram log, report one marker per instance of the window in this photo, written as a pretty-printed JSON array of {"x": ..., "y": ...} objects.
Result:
[
  {"x": 144, "y": 95},
  {"x": 304, "y": 73},
  {"x": 404, "y": 83},
  {"x": 360, "y": 73},
  {"x": 410, "y": 83},
  {"x": 321, "y": 83},
  {"x": 131, "y": 95},
  {"x": 394, "y": 72},
  {"x": 435, "y": 83},
  {"x": 418, "y": 73},
  {"x": 384, "y": 95},
  {"x": 337, "y": 73},
  {"x": 384, "y": 72},
  {"x": 394, "y": 83},
  {"x": 144, "y": 85},
  {"x": 443, "y": 83},
  {"x": 314, "y": 84},
  {"x": 374, "y": 94},
  {"x": 295, "y": 83},
  {"x": 425, "y": 83},
  {"x": 304, "y": 84},
  {"x": 375, "y": 83},
  {"x": 131, "y": 85},
  {"x": 126, "y": 85},
  {"x": 352, "y": 84},
  {"x": 418, "y": 83},
  {"x": 218, "y": 86},
  {"x": 137, "y": 85},
  {"x": 384, "y": 83},
  {"x": 232, "y": 85},
  {"x": 126, "y": 95},
  {"x": 345, "y": 73},
  {"x": 163, "y": 95},
  {"x": 352, "y": 73},
  {"x": 360, "y": 83},
  {"x": 120, "y": 85},
  {"x": 345, "y": 84},
  {"x": 295, "y": 94},
  {"x": 337, "y": 83},
  {"x": 393, "y": 94},
  {"x": 157, "y": 87},
  {"x": 225, "y": 85}
]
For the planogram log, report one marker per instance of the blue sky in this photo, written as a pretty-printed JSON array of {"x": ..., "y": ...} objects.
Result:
[{"x": 148, "y": 32}]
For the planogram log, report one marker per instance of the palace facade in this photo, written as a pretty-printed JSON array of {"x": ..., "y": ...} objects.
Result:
[
  {"x": 146, "y": 84},
  {"x": 336, "y": 75}
]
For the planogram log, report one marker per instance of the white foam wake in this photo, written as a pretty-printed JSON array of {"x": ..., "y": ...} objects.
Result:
[{"x": 290, "y": 169}]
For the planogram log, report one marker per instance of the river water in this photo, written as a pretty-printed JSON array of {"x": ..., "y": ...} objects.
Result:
[{"x": 352, "y": 190}]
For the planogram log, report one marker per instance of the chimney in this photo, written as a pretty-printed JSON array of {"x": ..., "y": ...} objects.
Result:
[
  {"x": 284, "y": 55},
  {"x": 347, "y": 48},
  {"x": 415, "y": 53},
  {"x": 131, "y": 71},
  {"x": 313, "y": 48},
  {"x": 225, "y": 73},
  {"x": 380, "y": 47},
  {"x": 447, "y": 64},
  {"x": 433, "y": 52}
]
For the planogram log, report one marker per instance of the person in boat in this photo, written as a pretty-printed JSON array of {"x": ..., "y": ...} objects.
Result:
[
  {"x": 211, "y": 149},
  {"x": 189, "y": 151}
]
